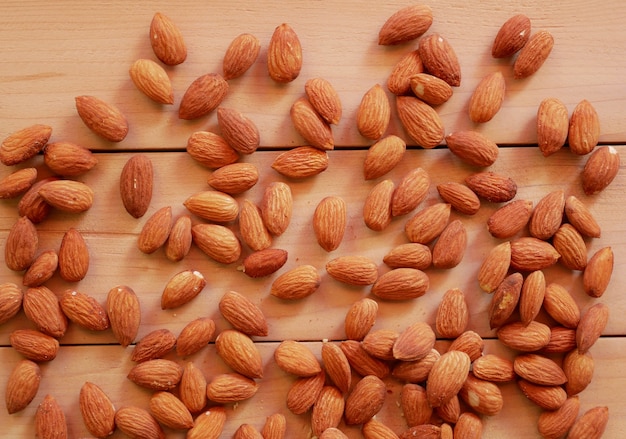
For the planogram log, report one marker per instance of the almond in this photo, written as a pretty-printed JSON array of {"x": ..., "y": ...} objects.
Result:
[
  {"x": 151, "y": 79},
  {"x": 137, "y": 422},
  {"x": 155, "y": 230},
  {"x": 482, "y": 396},
  {"x": 157, "y": 374},
  {"x": 243, "y": 314},
  {"x": 217, "y": 242},
  {"x": 24, "y": 144},
  {"x": 383, "y": 156},
  {"x": 239, "y": 131},
  {"x": 534, "y": 53},
  {"x": 562, "y": 340},
  {"x": 202, "y": 96},
  {"x": 284, "y": 54},
  {"x": 97, "y": 410},
  {"x": 379, "y": 344},
  {"x": 552, "y": 125},
  {"x": 591, "y": 424},
  {"x": 546, "y": 397},
  {"x": 446, "y": 377},
  {"x": 532, "y": 296},
  {"x": 505, "y": 299},
  {"x": 73, "y": 256},
  {"x": 365, "y": 401},
  {"x": 329, "y": 222},
  {"x": 179, "y": 240},
  {"x": 452, "y": 314},
  {"x": 327, "y": 410},
  {"x": 68, "y": 159},
  {"x": 360, "y": 318},
  {"x": 102, "y": 118},
  {"x": 11, "y": 297},
  {"x": 136, "y": 183},
  {"x": 414, "y": 342},
  {"x": 231, "y": 387},
  {"x": 601, "y": 168},
  {"x": 406, "y": 24},
  {"x": 468, "y": 426},
  {"x": 336, "y": 366},
  {"x": 297, "y": 283},
  {"x": 167, "y": 40},
  {"x": 570, "y": 244},
  {"x": 473, "y": 148},
  {"x": 42, "y": 307},
  {"x": 469, "y": 342},
  {"x": 210, "y": 149},
  {"x": 170, "y": 411},
  {"x": 212, "y": 206},
  {"x": 584, "y": 128},
  {"x": 251, "y": 226},
  {"x": 17, "y": 182},
  {"x": 487, "y": 98},
  {"x": 194, "y": 336},
  {"x": 377, "y": 206},
  {"x": 193, "y": 389},
  {"x": 84, "y": 310},
  {"x": 310, "y": 125},
  {"x": 530, "y": 254},
  {"x": 353, "y": 270},
  {"x": 399, "y": 80},
  {"x": 415, "y": 405},
  {"x": 510, "y": 219},
  {"x": 295, "y": 358},
  {"x": 460, "y": 197},
  {"x": 425, "y": 431},
  {"x": 555, "y": 424},
  {"x": 208, "y": 425},
  {"x": 34, "y": 345},
  {"x": 416, "y": 371},
  {"x": 155, "y": 344},
  {"x": 21, "y": 245},
  {"x": 324, "y": 99},
  {"x": 374, "y": 429},
  {"x": 276, "y": 207},
  {"x": 124, "y": 313},
  {"x": 597, "y": 274},
  {"x": 22, "y": 386},
  {"x": 374, "y": 113},
  {"x": 50, "y": 421},
  {"x": 362, "y": 362},
  {"x": 450, "y": 247},
  {"x": 440, "y": 59},
  {"x": 304, "y": 392},
  {"x": 428, "y": 223},
  {"x": 401, "y": 284},
  {"x": 420, "y": 121},
  {"x": 539, "y": 370},
  {"x": 275, "y": 426},
  {"x": 511, "y": 37},
  {"x": 430, "y": 89},
  {"x": 591, "y": 326},
  {"x": 264, "y": 262},
  {"x": 240, "y": 55},
  {"x": 301, "y": 162},
  {"x": 579, "y": 216},
  {"x": 410, "y": 192},
  {"x": 525, "y": 338},
  {"x": 67, "y": 195},
  {"x": 239, "y": 352},
  {"x": 547, "y": 215},
  {"x": 578, "y": 369},
  {"x": 495, "y": 267},
  {"x": 491, "y": 186},
  {"x": 493, "y": 368},
  {"x": 410, "y": 255},
  {"x": 234, "y": 178}
]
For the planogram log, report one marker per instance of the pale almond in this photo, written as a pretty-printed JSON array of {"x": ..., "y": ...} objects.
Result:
[
  {"x": 152, "y": 80},
  {"x": 67, "y": 195},
  {"x": 123, "y": 309},
  {"x": 353, "y": 270},
  {"x": 22, "y": 386},
  {"x": 234, "y": 178},
  {"x": 276, "y": 207},
  {"x": 24, "y": 144},
  {"x": 68, "y": 159},
  {"x": 251, "y": 226},
  {"x": 428, "y": 223},
  {"x": 217, "y": 241},
  {"x": 297, "y": 283},
  {"x": 377, "y": 206},
  {"x": 213, "y": 206},
  {"x": 73, "y": 257},
  {"x": 243, "y": 314},
  {"x": 552, "y": 125},
  {"x": 401, "y": 284},
  {"x": 194, "y": 336},
  {"x": 301, "y": 162},
  {"x": 360, "y": 318}
]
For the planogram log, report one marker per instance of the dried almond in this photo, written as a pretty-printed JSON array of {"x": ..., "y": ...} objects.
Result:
[
  {"x": 555, "y": 424},
  {"x": 379, "y": 344},
  {"x": 539, "y": 370},
  {"x": 578, "y": 368},
  {"x": 408, "y": 23},
  {"x": 284, "y": 54},
  {"x": 446, "y": 377},
  {"x": 547, "y": 215},
  {"x": 102, "y": 118},
  {"x": 264, "y": 262},
  {"x": 416, "y": 371},
  {"x": 295, "y": 358},
  {"x": 24, "y": 144},
  {"x": 401, "y": 284},
  {"x": 336, "y": 366},
  {"x": 491, "y": 186},
  {"x": 428, "y": 223},
  {"x": 487, "y": 98},
  {"x": 597, "y": 274},
  {"x": 533, "y": 55},
  {"x": 415, "y": 405},
  {"x": 426, "y": 431},
  {"x": 11, "y": 297},
  {"x": 324, "y": 99},
  {"x": 591, "y": 326},
  {"x": 21, "y": 245},
  {"x": 410, "y": 192},
  {"x": 532, "y": 296},
  {"x": 151, "y": 79},
  {"x": 137, "y": 422},
  {"x": 327, "y": 410},
  {"x": 440, "y": 59},
  {"x": 170, "y": 411},
  {"x": 374, "y": 429},
  {"x": 484, "y": 397},
  {"x": 167, "y": 40},
  {"x": 460, "y": 197},
  {"x": 365, "y": 401},
  {"x": 136, "y": 184},
  {"x": 243, "y": 314},
  {"x": 68, "y": 159},
  {"x": 495, "y": 267},
  {"x": 210, "y": 149},
  {"x": 155, "y": 230},
  {"x": 208, "y": 425},
  {"x": 194, "y": 336},
  {"x": 420, "y": 121},
  {"x": 399, "y": 80},
  {"x": 124, "y": 313},
  {"x": 301, "y": 162},
  {"x": 468, "y": 426},
  {"x": 212, "y": 206},
  {"x": 579, "y": 216},
  {"x": 179, "y": 240},
  {"x": 377, "y": 206},
  {"x": 276, "y": 207},
  {"x": 546, "y": 397},
  {"x": 240, "y": 353},
  {"x": 505, "y": 299},
  {"x": 34, "y": 345},
  {"x": 157, "y": 374},
  {"x": 374, "y": 113},
  {"x": 570, "y": 244},
  {"x": 182, "y": 288},
  {"x": 362, "y": 362},
  {"x": 493, "y": 368},
  {"x": 67, "y": 195},
  {"x": 17, "y": 182},
  {"x": 525, "y": 338},
  {"x": 469, "y": 342},
  {"x": 329, "y": 222},
  {"x": 530, "y": 254},
  {"x": 591, "y": 424},
  {"x": 584, "y": 128},
  {"x": 231, "y": 387},
  {"x": 22, "y": 386},
  {"x": 452, "y": 314},
  {"x": 97, "y": 410},
  {"x": 450, "y": 247},
  {"x": 510, "y": 219},
  {"x": 73, "y": 257},
  {"x": 84, "y": 310},
  {"x": 239, "y": 131},
  {"x": 383, "y": 156},
  {"x": 193, "y": 388},
  {"x": 360, "y": 318},
  {"x": 552, "y": 125},
  {"x": 234, "y": 178},
  {"x": 240, "y": 55},
  {"x": 275, "y": 426},
  {"x": 297, "y": 283},
  {"x": 410, "y": 255},
  {"x": 50, "y": 421},
  {"x": 216, "y": 241},
  {"x": 430, "y": 89},
  {"x": 562, "y": 340},
  {"x": 414, "y": 342},
  {"x": 304, "y": 392},
  {"x": 473, "y": 148},
  {"x": 511, "y": 37},
  {"x": 42, "y": 307},
  {"x": 600, "y": 170},
  {"x": 153, "y": 345},
  {"x": 202, "y": 96},
  {"x": 251, "y": 226},
  {"x": 353, "y": 270}
]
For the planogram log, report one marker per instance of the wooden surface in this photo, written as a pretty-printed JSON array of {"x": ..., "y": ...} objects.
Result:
[{"x": 54, "y": 51}]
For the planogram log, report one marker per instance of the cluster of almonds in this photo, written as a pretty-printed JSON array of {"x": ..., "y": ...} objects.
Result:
[{"x": 435, "y": 381}]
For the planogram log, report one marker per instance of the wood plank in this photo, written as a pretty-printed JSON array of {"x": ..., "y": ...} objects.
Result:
[{"x": 54, "y": 51}]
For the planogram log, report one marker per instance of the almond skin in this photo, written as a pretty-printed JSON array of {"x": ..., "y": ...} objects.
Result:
[
  {"x": 157, "y": 374},
  {"x": 362, "y": 362},
  {"x": 530, "y": 254},
  {"x": 591, "y": 424},
  {"x": 251, "y": 226},
  {"x": 406, "y": 24},
  {"x": 183, "y": 287},
  {"x": 552, "y": 125},
  {"x": 460, "y": 197},
  {"x": 11, "y": 297},
  {"x": 17, "y": 182},
  {"x": 21, "y": 245},
  {"x": 68, "y": 159},
  {"x": 276, "y": 207},
  {"x": 379, "y": 344},
  {"x": 600, "y": 170},
  {"x": 546, "y": 397},
  {"x": 482, "y": 396},
  {"x": 570, "y": 244},
  {"x": 591, "y": 326},
  {"x": 329, "y": 222},
  {"x": 491, "y": 367},
  {"x": 324, "y": 99},
  {"x": 264, "y": 262},
  {"x": 383, "y": 156},
  {"x": 524, "y": 338},
  {"x": 547, "y": 215},
  {"x": 137, "y": 422},
  {"x": 239, "y": 131},
  {"x": 415, "y": 405},
  {"x": 170, "y": 411},
  {"x": 327, "y": 410},
  {"x": 97, "y": 410},
  {"x": 84, "y": 310},
  {"x": 450, "y": 247},
  {"x": 136, "y": 184},
  {"x": 210, "y": 150},
  {"x": 410, "y": 65},
  {"x": 579, "y": 371},
  {"x": 155, "y": 344},
  {"x": 42, "y": 307},
  {"x": 505, "y": 299},
  {"x": 414, "y": 342},
  {"x": 73, "y": 256},
  {"x": 124, "y": 313},
  {"x": 194, "y": 336},
  {"x": 360, "y": 318},
  {"x": 428, "y": 223},
  {"x": 301, "y": 162},
  {"x": 152, "y": 80},
  {"x": 430, "y": 89},
  {"x": 353, "y": 270},
  {"x": 24, "y": 144},
  {"x": 401, "y": 284},
  {"x": 597, "y": 274},
  {"x": 284, "y": 54},
  {"x": 102, "y": 118},
  {"x": 32, "y": 205},
  {"x": 491, "y": 186},
  {"x": 67, "y": 195},
  {"x": 495, "y": 267},
  {"x": 510, "y": 219},
  {"x": 209, "y": 425},
  {"x": 203, "y": 96},
  {"x": 297, "y": 283},
  {"x": 374, "y": 113},
  {"x": 213, "y": 206},
  {"x": 50, "y": 421},
  {"x": 240, "y": 55},
  {"x": 410, "y": 192},
  {"x": 217, "y": 242},
  {"x": 416, "y": 371},
  {"x": 539, "y": 370},
  {"x": 532, "y": 296},
  {"x": 410, "y": 255},
  {"x": 155, "y": 230},
  {"x": 440, "y": 59},
  {"x": 447, "y": 377},
  {"x": 420, "y": 121},
  {"x": 365, "y": 401},
  {"x": 193, "y": 388},
  {"x": 487, "y": 98},
  {"x": 275, "y": 426},
  {"x": 377, "y": 206},
  {"x": 304, "y": 392},
  {"x": 243, "y": 314},
  {"x": 452, "y": 314},
  {"x": 295, "y": 358},
  {"x": 534, "y": 53},
  {"x": 579, "y": 215},
  {"x": 473, "y": 147},
  {"x": 179, "y": 240},
  {"x": 337, "y": 366},
  {"x": 240, "y": 353},
  {"x": 22, "y": 386},
  {"x": 554, "y": 424},
  {"x": 234, "y": 178},
  {"x": 167, "y": 40},
  {"x": 310, "y": 125},
  {"x": 584, "y": 128},
  {"x": 231, "y": 387},
  {"x": 511, "y": 37},
  {"x": 34, "y": 345}
]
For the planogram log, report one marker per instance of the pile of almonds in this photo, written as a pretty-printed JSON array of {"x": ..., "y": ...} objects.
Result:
[{"x": 444, "y": 393}]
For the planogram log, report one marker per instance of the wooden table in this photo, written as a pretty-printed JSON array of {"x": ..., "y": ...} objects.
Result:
[{"x": 54, "y": 51}]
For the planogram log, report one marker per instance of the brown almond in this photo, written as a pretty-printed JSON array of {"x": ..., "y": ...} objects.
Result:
[
  {"x": 227, "y": 388},
  {"x": 243, "y": 314},
  {"x": 440, "y": 59},
  {"x": 217, "y": 241},
  {"x": 468, "y": 426},
  {"x": 420, "y": 121},
  {"x": 353, "y": 270},
  {"x": 203, "y": 96},
  {"x": 374, "y": 429},
  {"x": 426, "y": 431},
  {"x": 446, "y": 377},
  {"x": 209, "y": 425},
  {"x": 452, "y": 315},
  {"x": 377, "y": 206},
  {"x": 600, "y": 170},
  {"x": 410, "y": 192},
  {"x": 491, "y": 186},
  {"x": 401, "y": 284},
  {"x": 251, "y": 226},
  {"x": 240, "y": 55},
  {"x": 379, "y": 344},
  {"x": 124, "y": 313},
  {"x": 42, "y": 307},
  {"x": 487, "y": 98},
  {"x": 430, "y": 89},
  {"x": 11, "y": 297},
  {"x": 428, "y": 223},
  {"x": 415, "y": 371},
  {"x": 34, "y": 345},
  {"x": 136, "y": 184},
  {"x": 304, "y": 392},
  {"x": 491, "y": 367},
  {"x": 552, "y": 125},
  {"x": 193, "y": 389},
  {"x": 415, "y": 405},
  {"x": 591, "y": 424},
  {"x": 239, "y": 131},
  {"x": 547, "y": 215},
  {"x": 276, "y": 207},
  {"x": 555, "y": 424},
  {"x": 275, "y": 426},
  {"x": 407, "y": 23},
  {"x": 449, "y": 248},
  {"x": 532, "y": 296},
  {"x": 539, "y": 370},
  {"x": 525, "y": 338},
  {"x": 170, "y": 411},
  {"x": 97, "y": 410},
  {"x": 579, "y": 216},
  {"x": 374, "y": 113},
  {"x": 360, "y": 318},
  {"x": 510, "y": 219},
  {"x": 301, "y": 162},
  {"x": 329, "y": 222},
  {"x": 157, "y": 374},
  {"x": 460, "y": 197},
  {"x": 505, "y": 299},
  {"x": 194, "y": 336},
  {"x": 410, "y": 255},
  {"x": 495, "y": 267},
  {"x": 68, "y": 159},
  {"x": 102, "y": 118},
  {"x": 50, "y": 421},
  {"x": 137, "y": 422},
  {"x": 167, "y": 40},
  {"x": 153, "y": 345},
  {"x": 67, "y": 195},
  {"x": 511, "y": 37},
  {"x": 562, "y": 340},
  {"x": 17, "y": 182},
  {"x": 546, "y": 397},
  {"x": 327, "y": 410},
  {"x": 482, "y": 396},
  {"x": 152, "y": 80},
  {"x": 213, "y": 206},
  {"x": 399, "y": 80},
  {"x": 310, "y": 125},
  {"x": 414, "y": 342},
  {"x": 324, "y": 99},
  {"x": 383, "y": 156},
  {"x": 365, "y": 401},
  {"x": 296, "y": 358},
  {"x": 362, "y": 362},
  {"x": 469, "y": 342},
  {"x": 578, "y": 368},
  {"x": 21, "y": 245},
  {"x": 73, "y": 256},
  {"x": 211, "y": 150},
  {"x": 561, "y": 306},
  {"x": 179, "y": 240},
  {"x": 336, "y": 366},
  {"x": 584, "y": 128},
  {"x": 531, "y": 254},
  {"x": 264, "y": 262},
  {"x": 24, "y": 144},
  {"x": 240, "y": 353},
  {"x": 297, "y": 283},
  {"x": 22, "y": 386},
  {"x": 284, "y": 54},
  {"x": 591, "y": 326},
  {"x": 84, "y": 310},
  {"x": 155, "y": 230},
  {"x": 533, "y": 55},
  {"x": 473, "y": 148},
  {"x": 597, "y": 274},
  {"x": 234, "y": 178}
]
